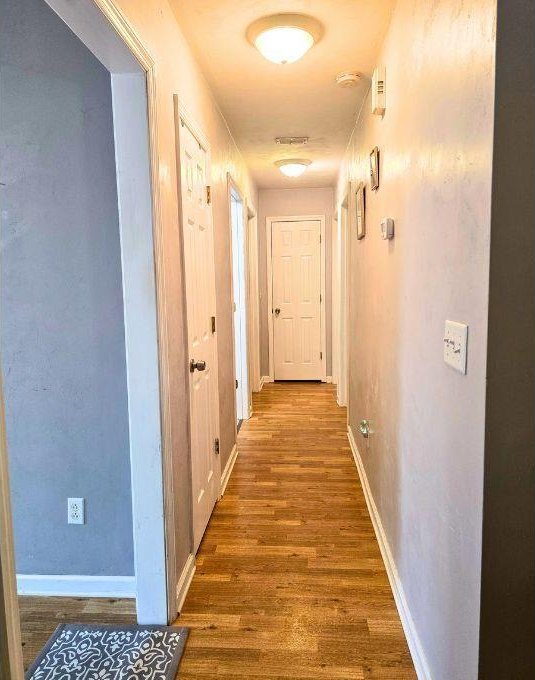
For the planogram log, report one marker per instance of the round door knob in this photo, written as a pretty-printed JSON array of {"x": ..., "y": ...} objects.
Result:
[
  {"x": 197, "y": 365},
  {"x": 277, "y": 311}
]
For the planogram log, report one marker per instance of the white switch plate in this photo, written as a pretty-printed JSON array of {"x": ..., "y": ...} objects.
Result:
[
  {"x": 75, "y": 510},
  {"x": 455, "y": 340}
]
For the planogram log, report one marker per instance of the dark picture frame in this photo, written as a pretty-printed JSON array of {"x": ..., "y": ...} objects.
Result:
[
  {"x": 360, "y": 210},
  {"x": 374, "y": 169}
]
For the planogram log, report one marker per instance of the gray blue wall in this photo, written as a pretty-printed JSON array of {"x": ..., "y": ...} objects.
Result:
[{"x": 63, "y": 351}]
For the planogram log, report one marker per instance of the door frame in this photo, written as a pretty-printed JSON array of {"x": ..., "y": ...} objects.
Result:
[
  {"x": 341, "y": 339},
  {"x": 98, "y": 23},
  {"x": 269, "y": 269},
  {"x": 11, "y": 665},
  {"x": 244, "y": 408},
  {"x": 254, "y": 302},
  {"x": 182, "y": 115}
]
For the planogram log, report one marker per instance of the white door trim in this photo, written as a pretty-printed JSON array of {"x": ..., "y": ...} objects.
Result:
[
  {"x": 244, "y": 410},
  {"x": 98, "y": 24},
  {"x": 269, "y": 264},
  {"x": 253, "y": 308},
  {"x": 11, "y": 665},
  {"x": 341, "y": 308}
]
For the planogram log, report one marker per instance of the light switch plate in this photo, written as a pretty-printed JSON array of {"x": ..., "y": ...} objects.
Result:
[{"x": 455, "y": 341}]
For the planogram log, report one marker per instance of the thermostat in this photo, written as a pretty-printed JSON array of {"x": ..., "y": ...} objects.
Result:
[{"x": 387, "y": 228}]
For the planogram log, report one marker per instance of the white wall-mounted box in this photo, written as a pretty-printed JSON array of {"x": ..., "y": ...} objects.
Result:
[{"x": 379, "y": 91}]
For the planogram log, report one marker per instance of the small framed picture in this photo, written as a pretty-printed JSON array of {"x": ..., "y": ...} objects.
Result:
[
  {"x": 360, "y": 210},
  {"x": 374, "y": 169}
]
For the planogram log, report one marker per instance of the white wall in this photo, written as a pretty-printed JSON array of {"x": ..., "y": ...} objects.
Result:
[
  {"x": 288, "y": 202},
  {"x": 63, "y": 336},
  {"x": 424, "y": 461}
]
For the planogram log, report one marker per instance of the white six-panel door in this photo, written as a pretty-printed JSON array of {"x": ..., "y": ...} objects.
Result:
[
  {"x": 296, "y": 300},
  {"x": 202, "y": 342}
]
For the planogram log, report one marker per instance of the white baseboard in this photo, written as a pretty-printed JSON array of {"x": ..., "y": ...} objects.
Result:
[
  {"x": 329, "y": 379},
  {"x": 265, "y": 379},
  {"x": 184, "y": 582},
  {"x": 228, "y": 469},
  {"x": 415, "y": 646},
  {"x": 66, "y": 585}
]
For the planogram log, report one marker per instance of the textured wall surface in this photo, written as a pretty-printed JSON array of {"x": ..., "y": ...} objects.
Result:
[
  {"x": 62, "y": 311},
  {"x": 424, "y": 460},
  {"x": 288, "y": 202}
]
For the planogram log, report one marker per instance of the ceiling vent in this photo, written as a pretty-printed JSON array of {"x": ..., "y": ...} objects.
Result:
[
  {"x": 291, "y": 141},
  {"x": 348, "y": 79}
]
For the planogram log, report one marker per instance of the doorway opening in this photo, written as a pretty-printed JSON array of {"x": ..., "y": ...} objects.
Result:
[
  {"x": 238, "y": 221},
  {"x": 103, "y": 330},
  {"x": 341, "y": 301}
]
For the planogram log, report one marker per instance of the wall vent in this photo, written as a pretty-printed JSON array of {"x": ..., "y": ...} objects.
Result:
[{"x": 291, "y": 141}]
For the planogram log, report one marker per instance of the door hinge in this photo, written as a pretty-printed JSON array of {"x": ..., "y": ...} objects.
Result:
[
  {"x": 236, "y": 384},
  {"x": 321, "y": 355},
  {"x": 320, "y": 297},
  {"x": 216, "y": 445},
  {"x": 208, "y": 195},
  {"x": 213, "y": 324}
]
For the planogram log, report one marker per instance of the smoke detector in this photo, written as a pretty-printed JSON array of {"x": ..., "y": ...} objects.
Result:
[{"x": 348, "y": 79}]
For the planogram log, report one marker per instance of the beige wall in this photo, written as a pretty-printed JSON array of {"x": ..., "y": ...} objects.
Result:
[
  {"x": 289, "y": 202},
  {"x": 424, "y": 460},
  {"x": 178, "y": 73}
]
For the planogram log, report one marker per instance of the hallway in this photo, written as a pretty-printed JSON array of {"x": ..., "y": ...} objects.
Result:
[{"x": 290, "y": 582}]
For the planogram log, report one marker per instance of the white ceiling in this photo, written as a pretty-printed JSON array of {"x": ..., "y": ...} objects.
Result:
[{"x": 261, "y": 100}]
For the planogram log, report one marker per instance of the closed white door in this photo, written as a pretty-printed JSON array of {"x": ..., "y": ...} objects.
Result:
[
  {"x": 296, "y": 280},
  {"x": 202, "y": 343}
]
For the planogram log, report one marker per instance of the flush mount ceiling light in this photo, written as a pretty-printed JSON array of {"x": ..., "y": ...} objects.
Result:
[
  {"x": 284, "y": 38},
  {"x": 293, "y": 167}
]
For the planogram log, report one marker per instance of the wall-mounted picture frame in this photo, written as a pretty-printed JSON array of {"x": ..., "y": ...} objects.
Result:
[
  {"x": 374, "y": 169},
  {"x": 360, "y": 210}
]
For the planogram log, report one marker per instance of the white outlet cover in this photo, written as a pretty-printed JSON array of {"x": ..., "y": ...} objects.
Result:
[
  {"x": 455, "y": 342},
  {"x": 75, "y": 510}
]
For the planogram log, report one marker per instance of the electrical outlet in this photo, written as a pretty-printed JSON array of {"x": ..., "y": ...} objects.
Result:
[{"x": 75, "y": 510}]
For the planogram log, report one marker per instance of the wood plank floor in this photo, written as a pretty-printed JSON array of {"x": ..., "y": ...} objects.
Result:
[
  {"x": 290, "y": 582},
  {"x": 39, "y": 617}
]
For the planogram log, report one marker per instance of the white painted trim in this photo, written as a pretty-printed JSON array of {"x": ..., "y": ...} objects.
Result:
[
  {"x": 253, "y": 310},
  {"x": 243, "y": 401},
  {"x": 265, "y": 379},
  {"x": 184, "y": 581},
  {"x": 67, "y": 585},
  {"x": 105, "y": 30},
  {"x": 269, "y": 270},
  {"x": 11, "y": 657},
  {"x": 415, "y": 646},
  {"x": 329, "y": 379},
  {"x": 228, "y": 468},
  {"x": 341, "y": 269}
]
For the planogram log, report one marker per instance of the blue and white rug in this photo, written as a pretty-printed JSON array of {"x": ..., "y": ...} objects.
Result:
[{"x": 80, "y": 652}]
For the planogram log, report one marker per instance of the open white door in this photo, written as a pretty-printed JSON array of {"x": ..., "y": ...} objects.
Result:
[
  {"x": 198, "y": 244},
  {"x": 296, "y": 248},
  {"x": 239, "y": 296}
]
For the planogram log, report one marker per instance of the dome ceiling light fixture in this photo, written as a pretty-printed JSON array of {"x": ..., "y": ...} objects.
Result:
[
  {"x": 293, "y": 167},
  {"x": 284, "y": 38}
]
